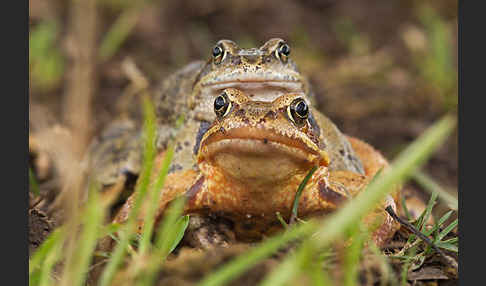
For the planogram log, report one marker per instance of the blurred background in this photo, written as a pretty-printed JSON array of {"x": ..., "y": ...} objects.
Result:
[{"x": 383, "y": 70}]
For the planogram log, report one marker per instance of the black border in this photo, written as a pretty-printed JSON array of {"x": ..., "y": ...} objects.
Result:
[{"x": 15, "y": 141}]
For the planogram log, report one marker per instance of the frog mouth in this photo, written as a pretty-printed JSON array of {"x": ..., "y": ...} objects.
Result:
[
  {"x": 256, "y": 142},
  {"x": 258, "y": 157},
  {"x": 264, "y": 90}
]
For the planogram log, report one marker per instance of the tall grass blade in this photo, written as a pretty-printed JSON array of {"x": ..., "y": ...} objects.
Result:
[
  {"x": 352, "y": 257},
  {"x": 140, "y": 192},
  {"x": 179, "y": 229},
  {"x": 428, "y": 210},
  {"x": 56, "y": 237},
  {"x": 290, "y": 268},
  {"x": 446, "y": 230},
  {"x": 52, "y": 257},
  {"x": 92, "y": 217},
  {"x": 431, "y": 186},
  {"x": 168, "y": 235},
  {"x": 118, "y": 33},
  {"x": 153, "y": 198}
]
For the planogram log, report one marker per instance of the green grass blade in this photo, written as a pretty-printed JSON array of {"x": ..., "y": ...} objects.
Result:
[
  {"x": 56, "y": 237},
  {"x": 169, "y": 234},
  {"x": 286, "y": 271},
  {"x": 352, "y": 257},
  {"x": 109, "y": 229},
  {"x": 47, "y": 265},
  {"x": 77, "y": 268},
  {"x": 34, "y": 186},
  {"x": 406, "y": 266},
  {"x": 428, "y": 211},
  {"x": 388, "y": 275},
  {"x": 448, "y": 246},
  {"x": 405, "y": 208},
  {"x": 439, "y": 223},
  {"x": 179, "y": 229},
  {"x": 318, "y": 275},
  {"x": 446, "y": 230},
  {"x": 301, "y": 187},
  {"x": 166, "y": 236},
  {"x": 281, "y": 220},
  {"x": 451, "y": 240},
  {"x": 407, "y": 162},
  {"x": 140, "y": 191},
  {"x": 118, "y": 32},
  {"x": 290, "y": 268},
  {"x": 154, "y": 201},
  {"x": 430, "y": 185}
]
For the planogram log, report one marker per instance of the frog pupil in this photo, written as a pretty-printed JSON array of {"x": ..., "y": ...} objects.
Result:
[
  {"x": 301, "y": 109},
  {"x": 219, "y": 103},
  {"x": 284, "y": 49},
  {"x": 217, "y": 51}
]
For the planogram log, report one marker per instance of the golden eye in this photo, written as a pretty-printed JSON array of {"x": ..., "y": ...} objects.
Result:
[
  {"x": 218, "y": 54},
  {"x": 222, "y": 105},
  {"x": 298, "y": 111}
]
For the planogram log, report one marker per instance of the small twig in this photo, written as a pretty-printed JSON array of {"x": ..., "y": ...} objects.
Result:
[
  {"x": 37, "y": 201},
  {"x": 281, "y": 220},
  {"x": 414, "y": 230}
]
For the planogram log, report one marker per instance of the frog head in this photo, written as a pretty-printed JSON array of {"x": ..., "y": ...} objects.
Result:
[
  {"x": 264, "y": 73},
  {"x": 260, "y": 141}
]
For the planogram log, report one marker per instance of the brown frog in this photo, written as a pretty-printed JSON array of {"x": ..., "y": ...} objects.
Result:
[
  {"x": 254, "y": 155},
  {"x": 263, "y": 74}
]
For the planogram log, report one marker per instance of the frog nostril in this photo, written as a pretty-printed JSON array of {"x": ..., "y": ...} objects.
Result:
[{"x": 252, "y": 59}]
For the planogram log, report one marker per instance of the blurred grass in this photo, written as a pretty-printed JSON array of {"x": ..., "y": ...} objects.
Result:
[
  {"x": 123, "y": 26},
  {"x": 76, "y": 269},
  {"x": 46, "y": 63},
  {"x": 356, "y": 42},
  {"x": 353, "y": 254},
  {"x": 34, "y": 186},
  {"x": 436, "y": 66},
  {"x": 432, "y": 186},
  {"x": 149, "y": 131}
]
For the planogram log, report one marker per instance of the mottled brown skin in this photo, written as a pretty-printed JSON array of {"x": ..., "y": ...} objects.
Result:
[{"x": 253, "y": 157}]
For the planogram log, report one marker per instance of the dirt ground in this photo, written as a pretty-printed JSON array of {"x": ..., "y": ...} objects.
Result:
[{"x": 383, "y": 71}]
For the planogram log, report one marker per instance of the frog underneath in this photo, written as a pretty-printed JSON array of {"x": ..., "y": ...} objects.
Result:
[{"x": 254, "y": 155}]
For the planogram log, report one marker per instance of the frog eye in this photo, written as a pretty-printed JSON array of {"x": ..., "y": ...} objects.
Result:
[
  {"x": 222, "y": 105},
  {"x": 282, "y": 52},
  {"x": 298, "y": 111},
  {"x": 218, "y": 54}
]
